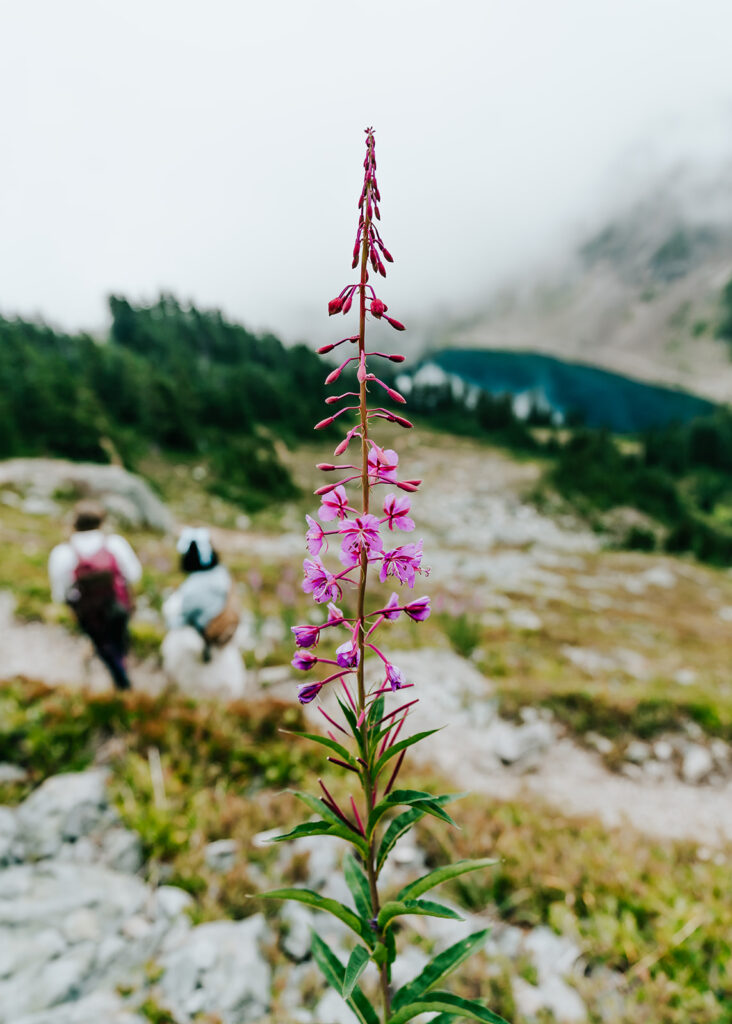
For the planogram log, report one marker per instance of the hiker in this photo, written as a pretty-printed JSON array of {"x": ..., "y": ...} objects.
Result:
[
  {"x": 93, "y": 573},
  {"x": 202, "y": 618}
]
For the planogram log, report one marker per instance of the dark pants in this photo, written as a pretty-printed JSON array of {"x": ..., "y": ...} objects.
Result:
[{"x": 111, "y": 642}]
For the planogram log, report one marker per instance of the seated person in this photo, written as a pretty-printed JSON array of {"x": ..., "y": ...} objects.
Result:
[{"x": 197, "y": 651}]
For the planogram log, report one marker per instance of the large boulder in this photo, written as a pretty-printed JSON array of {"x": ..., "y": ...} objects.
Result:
[{"x": 128, "y": 498}]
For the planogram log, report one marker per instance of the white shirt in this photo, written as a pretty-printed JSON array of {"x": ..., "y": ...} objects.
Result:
[{"x": 63, "y": 559}]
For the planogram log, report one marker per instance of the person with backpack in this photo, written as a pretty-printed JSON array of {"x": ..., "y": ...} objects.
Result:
[
  {"x": 93, "y": 572},
  {"x": 202, "y": 617}
]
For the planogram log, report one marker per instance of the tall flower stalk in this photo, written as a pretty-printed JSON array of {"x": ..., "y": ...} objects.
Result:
[{"x": 367, "y": 739}]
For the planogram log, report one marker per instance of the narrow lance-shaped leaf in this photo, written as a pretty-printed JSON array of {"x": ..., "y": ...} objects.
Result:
[
  {"x": 410, "y": 797},
  {"x": 446, "y": 1002},
  {"x": 426, "y": 908},
  {"x": 326, "y": 741},
  {"x": 359, "y": 886},
  {"x": 444, "y": 874},
  {"x": 399, "y": 746},
  {"x": 357, "y": 962},
  {"x": 314, "y": 899},
  {"x": 403, "y": 822},
  {"x": 438, "y": 968},
  {"x": 334, "y": 973},
  {"x": 316, "y": 828}
]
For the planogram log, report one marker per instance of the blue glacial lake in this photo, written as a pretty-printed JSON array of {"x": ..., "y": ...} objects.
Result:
[{"x": 600, "y": 398}]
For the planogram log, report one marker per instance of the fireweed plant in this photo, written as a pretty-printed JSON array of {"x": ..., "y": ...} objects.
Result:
[{"x": 368, "y": 741}]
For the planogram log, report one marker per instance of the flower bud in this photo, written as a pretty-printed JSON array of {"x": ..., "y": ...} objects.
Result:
[
  {"x": 333, "y": 375},
  {"x": 395, "y": 324},
  {"x": 386, "y": 254},
  {"x": 341, "y": 447},
  {"x": 325, "y": 348},
  {"x": 335, "y": 305},
  {"x": 327, "y": 467},
  {"x": 325, "y": 489},
  {"x": 402, "y": 421},
  {"x": 396, "y": 396},
  {"x": 396, "y": 358},
  {"x": 361, "y": 374},
  {"x": 382, "y": 269},
  {"x": 324, "y": 423},
  {"x": 347, "y": 304},
  {"x": 378, "y": 308},
  {"x": 407, "y": 485},
  {"x": 304, "y": 660}
]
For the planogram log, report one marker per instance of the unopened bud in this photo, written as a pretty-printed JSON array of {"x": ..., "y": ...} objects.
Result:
[
  {"x": 324, "y": 423},
  {"x": 402, "y": 421},
  {"x": 408, "y": 485},
  {"x": 386, "y": 254},
  {"x": 378, "y": 308},
  {"x": 347, "y": 304},
  {"x": 395, "y": 324},
  {"x": 382, "y": 269},
  {"x": 325, "y": 489},
  {"x": 334, "y": 375},
  {"x": 335, "y": 305},
  {"x": 396, "y": 358},
  {"x": 396, "y": 396},
  {"x": 325, "y": 348},
  {"x": 325, "y": 466},
  {"x": 340, "y": 448},
  {"x": 361, "y": 374}
]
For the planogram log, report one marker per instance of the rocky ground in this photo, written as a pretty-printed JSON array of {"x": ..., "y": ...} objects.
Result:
[{"x": 527, "y": 607}]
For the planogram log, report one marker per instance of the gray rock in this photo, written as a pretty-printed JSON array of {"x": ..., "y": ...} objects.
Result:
[
  {"x": 63, "y": 807},
  {"x": 637, "y": 752},
  {"x": 81, "y": 925},
  {"x": 697, "y": 763},
  {"x": 12, "y": 772},
  {"x": 172, "y": 901},
  {"x": 9, "y": 837},
  {"x": 554, "y": 995},
  {"x": 40, "y": 479},
  {"x": 61, "y": 979},
  {"x": 298, "y": 923},
  {"x": 551, "y": 953},
  {"x": 106, "y": 1007},
  {"x": 663, "y": 750},
  {"x": 515, "y": 743},
  {"x": 219, "y": 968},
  {"x": 333, "y": 1010},
  {"x": 121, "y": 850},
  {"x": 221, "y": 855}
]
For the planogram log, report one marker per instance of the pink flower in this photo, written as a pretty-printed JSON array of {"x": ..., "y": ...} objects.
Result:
[
  {"x": 304, "y": 660},
  {"x": 395, "y": 510},
  {"x": 394, "y": 677},
  {"x": 319, "y": 582},
  {"x": 383, "y": 463},
  {"x": 403, "y": 562},
  {"x": 315, "y": 537},
  {"x": 309, "y": 692},
  {"x": 334, "y": 504},
  {"x": 418, "y": 610},
  {"x": 347, "y": 655},
  {"x": 306, "y": 636},
  {"x": 334, "y": 615},
  {"x": 360, "y": 534},
  {"x": 393, "y": 604}
]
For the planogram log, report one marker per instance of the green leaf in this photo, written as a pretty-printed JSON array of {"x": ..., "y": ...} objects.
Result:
[
  {"x": 326, "y": 741},
  {"x": 357, "y": 962},
  {"x": 316, "y": 828},
  {"x": 399, "y": 746},
  {"x": 438, "y": 968},
  {"x": 409, "y": 797},
  {"x": 359, "y": 886},
  {"x": 439, "y": 875},
  {"x": 446, "y": 1002},
  {"x": 320, "y": 807},
  {"x": 397, "y": 908},
  {"x": 403, "y": 822},
  {"x": 314, "y": 899},
  {"x": 334, "y": 973}
]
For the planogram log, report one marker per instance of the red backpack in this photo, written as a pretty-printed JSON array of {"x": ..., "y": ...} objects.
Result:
[{"x": 98, "y": 587}]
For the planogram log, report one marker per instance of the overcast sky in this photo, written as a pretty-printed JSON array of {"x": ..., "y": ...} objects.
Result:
[{"x": 213, "y": 148}]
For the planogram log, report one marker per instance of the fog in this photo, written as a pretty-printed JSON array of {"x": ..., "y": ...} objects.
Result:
[{"x": 215, "y": 149}]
